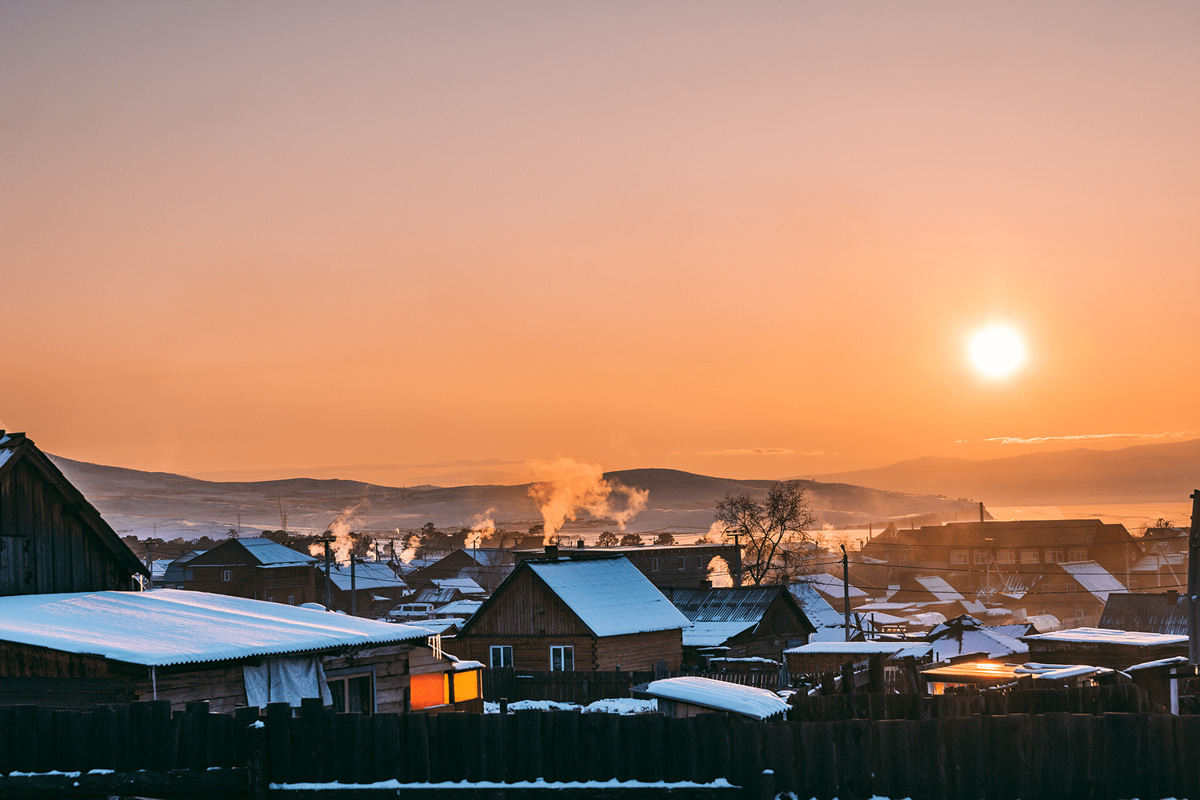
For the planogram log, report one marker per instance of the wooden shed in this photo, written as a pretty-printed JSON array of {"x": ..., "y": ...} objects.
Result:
[
  {"x": 85, "y": 649},
  {"x": 1103, "y": 648},
  {"x": 51, "y": 538},
  {"x": 575, "y": 615}
]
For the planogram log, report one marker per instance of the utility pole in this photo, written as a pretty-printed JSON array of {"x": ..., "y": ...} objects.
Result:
[
  {"x": 353, "y": 589},
  {"x": 1194, "y": 582},
  {"x": 846, "y": 591},
  {"x": 327, "y": 539}
]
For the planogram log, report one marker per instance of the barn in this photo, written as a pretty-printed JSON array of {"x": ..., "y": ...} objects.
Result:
[
  {"x": 575, "y": 615},
  {"x": 51, "y": 538}
]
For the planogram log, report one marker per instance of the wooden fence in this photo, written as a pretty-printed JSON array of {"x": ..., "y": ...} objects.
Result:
[
  {"x": 582, "y": 688},
  {"x": 1025, "y": 756}
]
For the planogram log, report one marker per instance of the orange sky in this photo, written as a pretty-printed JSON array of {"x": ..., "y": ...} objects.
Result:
[{"x": 412, "y": 242}]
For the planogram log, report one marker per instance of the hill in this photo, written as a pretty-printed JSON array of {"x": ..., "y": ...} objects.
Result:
[
  {"x": 175, "y": 505},
  {"x": 1142, "y": 473}
]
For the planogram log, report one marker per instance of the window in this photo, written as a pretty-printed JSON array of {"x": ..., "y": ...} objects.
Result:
[
  {"x": 291, "y": 599},
  {"x": 466, "y": 685},
  {"x": 654, "y": 565},
  {"x": 1077, "y": 554},
  {"x": 500, "y": 656},
  {"x": 429, "y": 690},
  {"x": 980, "y": 556},
  {"x": 1079, "y": 614},
  {"x": 1053, "y": 555},
  {"x": 699, "y": 562},
  {"x": 562, "y": 658},
  {"x": 226, "y": 575},
  {"x": 959, "y": 557},
  {"x": 355, "y": 693},
  {"x": 1029, "y": 557},
  {"x": 1006, "y": 556},
  {"x": 682, "y": 563}
]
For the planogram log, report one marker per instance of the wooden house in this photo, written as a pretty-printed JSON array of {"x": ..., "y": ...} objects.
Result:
[
  {"x": 370, "y": 589},
  {"x": 575, "y": 615},
  {"x": 51, "y": 538},
  {"x": 1074, "y": 592},
  {"x": 740, "y": 622},
  {"x": 85, "y": 649},
  {"x": 487, "y": 567},
  {"x": 259, "y": 569}
]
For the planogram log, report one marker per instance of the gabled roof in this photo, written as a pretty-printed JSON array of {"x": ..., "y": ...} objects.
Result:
[
  {"x": 815, "y": 606},
  {"x": 719, "y": 614},
  {"x": 937, "y": 586},
  {"x": 831, "y": 585},
  {"x": 1093, "y": 577},
  {"x": 166, "y": 627},
  {"x": 1102, "y": 636},
  {"x": 608, "y": 595},
  {"x": 16, "y": 447},
  {"x": 261, "y": 551}
]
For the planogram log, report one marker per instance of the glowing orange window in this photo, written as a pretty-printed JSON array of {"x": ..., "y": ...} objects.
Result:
[
  {"x": 466, "y": 685},
  {"x": 430, "y": 690}
]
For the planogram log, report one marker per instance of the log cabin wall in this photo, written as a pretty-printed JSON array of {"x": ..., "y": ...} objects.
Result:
[
  {"x": 640, "y": 651},
  {"x": 46, "y": 545},
  {"x": 528, "y": 652}
]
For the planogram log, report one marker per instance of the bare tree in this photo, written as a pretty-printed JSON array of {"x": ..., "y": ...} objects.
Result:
[{"x": 773, "y": 533}]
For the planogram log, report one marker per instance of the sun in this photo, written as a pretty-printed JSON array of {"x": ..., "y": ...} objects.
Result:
[{"x": 996, "y": 351}]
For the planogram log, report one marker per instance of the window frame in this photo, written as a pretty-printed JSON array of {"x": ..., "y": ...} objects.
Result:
[
  {"x": 226, "y": 576},
  {"x": 564, "y": 650},
  {"x": 503, "y": 648},
  {"x": 344, "y": 676}
]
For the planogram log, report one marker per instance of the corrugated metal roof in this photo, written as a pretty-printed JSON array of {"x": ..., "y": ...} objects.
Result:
[
  {"x": 1150, "y": 613},
  {"x": 1093, "y": 577},
  {"x": 815, "y": 606},
  {"x": 609, "y": 595},
  {"x": 745, "y": 603},
  {"x": 937, "y": 586},
  {"x": 269, "y": 552},
  {"x": 166, "y": 627},
  {"x": 366, "y": 576},
  {"x": 714, "y": 634}
]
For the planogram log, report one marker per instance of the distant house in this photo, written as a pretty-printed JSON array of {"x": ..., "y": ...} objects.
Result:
[
  {"x": 680, "y": 566},
  {"x": 368, "y": 590},
  {"x": 486, "y": 567},
  {"x": 575, "y": 615},
  {"x": 740, "y": 622},
  {"x": 79, "y": 650},
  {"x": 1072, "y": 591},
  {"x": 176, "y": 576},
  {"x": 1165, "y": 612},
  {"x": 832, "y": 588},
  {"x": 830, "y": 625},
  {"x": 819, "y": 658},
  {"x": 966, "y": 635},
  {"x": 259, "y": 569},
  {"x": 972, "y": 555},
  {"x": 51, "y": 538}
]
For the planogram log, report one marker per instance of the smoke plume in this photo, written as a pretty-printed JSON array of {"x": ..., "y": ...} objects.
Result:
[
  {"x": 343, "y": 544},
  {"x": 719, "y": 575},
  {"x": 483, "y": 527},
  {"x": 566, "y": 488}
]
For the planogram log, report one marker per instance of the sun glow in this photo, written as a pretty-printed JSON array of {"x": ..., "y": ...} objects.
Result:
[{"x": 996, "y": 351}]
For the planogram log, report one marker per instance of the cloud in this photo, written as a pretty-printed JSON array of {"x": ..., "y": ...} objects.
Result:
[
  {"x": 759, "y": 451},
  {"x": 1088, "y": 437}
]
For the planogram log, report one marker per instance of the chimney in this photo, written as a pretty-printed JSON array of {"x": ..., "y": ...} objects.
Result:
[{"x": 551, "y": 551}]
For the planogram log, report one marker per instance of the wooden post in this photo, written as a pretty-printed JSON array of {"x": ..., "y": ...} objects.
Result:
[{"x": 257, "y": 773}]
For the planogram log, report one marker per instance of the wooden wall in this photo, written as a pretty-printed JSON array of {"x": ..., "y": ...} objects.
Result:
[
  {"x": 45, "y": 544},
  {"x": 640, "y": 651},
  {"x": 529, "y": 652},
  {"x": 526, "y": 607}
]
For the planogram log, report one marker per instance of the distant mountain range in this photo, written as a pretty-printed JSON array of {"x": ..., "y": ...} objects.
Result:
[
  {"x": 170, "y": 506},
  {"x": 1143, "y": 473}
]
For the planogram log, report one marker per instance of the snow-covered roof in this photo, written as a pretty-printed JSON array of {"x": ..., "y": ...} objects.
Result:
[
  {"x": 1104, "y": 636},
  {"x": 6, "y": 454},
  {"x": 265, "y": 552},
  {"x": 978, "y": 640},
  {"x": 168, "y": 626},
  {"x": 464, "y": 585},
  {"x": 747, "y": 701},
  {"x": 937, "y": 586},
  {"x": 829, "y": 585},
  {"x": 609, "y": 595},
  {"x": 371, "y": 575},
  {"x": 856, "y": 648},
  {"x": 816, "y": 607},
  {"x": 1093, "y": 577},
  {"x": 713, "y": 634},
  {"x": 1173, "y": 661},
  {"x": 461, "y": 608}
]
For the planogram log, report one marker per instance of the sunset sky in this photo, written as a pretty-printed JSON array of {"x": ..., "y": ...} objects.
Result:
[{"x": 433, "y": 242}]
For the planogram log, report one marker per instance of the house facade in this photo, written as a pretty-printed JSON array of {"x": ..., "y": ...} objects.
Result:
[
  {"x": 258, "y": 569},
  {"x": 574, "y": 616},
  {"x": 51, "y": 538}
]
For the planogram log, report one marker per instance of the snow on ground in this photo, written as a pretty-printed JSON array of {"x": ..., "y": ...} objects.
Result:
[
  {"x": 540, "y": 783},
  {"x": 612, "y": 705}
]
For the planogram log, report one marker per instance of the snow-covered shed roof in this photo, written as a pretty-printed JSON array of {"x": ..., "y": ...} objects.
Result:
[
  {"x": 976, "y": 640},
  {"x": 1103, "y": 636},
  {"x": 714, "y": 634},
  {"x": 167, "y": 626},
  {"x": 832, "y": 586},
  {"x": 460, "y": 608},
  {"x": 747, "y": 701},
  {"x": 1093, "y": 577},
  {"x": 858, "y": 648},
  {"x": 462, "y": 584},
  {"x": 609, "y": 595},
  {"x": 263, "y": 551},
  {"x": 718, "y": 614},
  {"x": 371, "y": 575}
]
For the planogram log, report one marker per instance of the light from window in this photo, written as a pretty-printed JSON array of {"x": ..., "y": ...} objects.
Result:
[
  {"x": 466, "y": 685},
  {"x": 562, "y": 658},
  {"x": 429, "y": 690}
]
